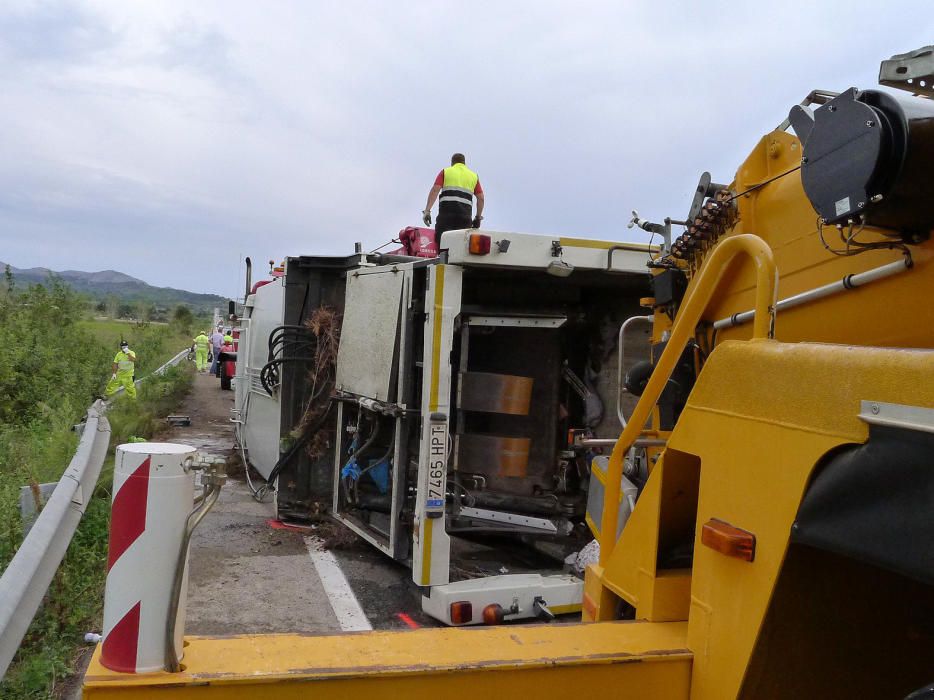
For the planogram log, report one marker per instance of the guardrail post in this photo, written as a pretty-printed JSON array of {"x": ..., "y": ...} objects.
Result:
[{"x": 152, "y": 496}]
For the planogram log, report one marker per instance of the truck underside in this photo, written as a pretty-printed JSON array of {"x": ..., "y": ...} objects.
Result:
[
  {"x": 511, "y": 467},
  {"x": 523, "y": 365}
]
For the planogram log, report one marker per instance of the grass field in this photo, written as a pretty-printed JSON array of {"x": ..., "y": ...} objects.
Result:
[{"x": 110, "y": 332}]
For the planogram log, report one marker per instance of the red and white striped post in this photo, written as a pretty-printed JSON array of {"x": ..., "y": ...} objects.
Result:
[{"x": 153, "y": 494}]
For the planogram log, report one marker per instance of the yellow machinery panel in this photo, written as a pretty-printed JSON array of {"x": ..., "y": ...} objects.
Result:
[
  {"x": 558, "y": 661},
  {"x": 761, "y": 417},
  {"x": 781, "y": 215}
]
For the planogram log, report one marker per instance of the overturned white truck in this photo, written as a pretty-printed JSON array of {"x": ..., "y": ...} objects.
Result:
[{"x": 467, "y": 399}]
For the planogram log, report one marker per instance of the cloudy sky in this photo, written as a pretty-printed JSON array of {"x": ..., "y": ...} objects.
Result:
[{"x": 168, "y": 139}]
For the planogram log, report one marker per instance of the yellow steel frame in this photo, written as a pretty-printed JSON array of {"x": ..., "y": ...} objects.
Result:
[
  {"x": 759, "y": 419},
  {"x": 685, "y": 323},
  {"x": 782, "y": 216},
  {"x": 558, "y": 661}
]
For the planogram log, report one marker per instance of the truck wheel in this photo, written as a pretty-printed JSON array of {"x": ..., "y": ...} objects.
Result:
[{"x": 225, "y": 382}]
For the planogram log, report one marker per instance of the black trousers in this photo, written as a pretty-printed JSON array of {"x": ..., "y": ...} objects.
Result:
[{"x": 450, "y": 222}]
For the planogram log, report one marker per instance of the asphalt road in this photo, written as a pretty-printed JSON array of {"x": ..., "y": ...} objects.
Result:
[{"x": 250, "y": 574}]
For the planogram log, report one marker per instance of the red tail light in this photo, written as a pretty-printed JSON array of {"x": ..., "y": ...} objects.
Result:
[
  {"x": 461, "y": 612},
  {"x": 479, "y": 244}
]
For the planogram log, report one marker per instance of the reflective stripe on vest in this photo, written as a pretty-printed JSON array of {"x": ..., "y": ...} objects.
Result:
[
  {"x": 459, "y": 184},
  {"x": 123, "y": 362}
]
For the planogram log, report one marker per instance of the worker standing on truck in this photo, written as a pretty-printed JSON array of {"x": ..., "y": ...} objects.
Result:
[
  {"x": 201, "y": 351},
  {"x": 124, "y": 367},
  {"x": 457, "y": 185}
]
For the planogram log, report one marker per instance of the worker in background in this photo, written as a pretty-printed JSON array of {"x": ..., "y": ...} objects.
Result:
[
  {"x": 201, "y": 351},
  {"x": 228, "y": 338},
  {"x": 124, "y": 367},
  {"x": 217, "y": 339},
  {"x": 457, "y": 186}
]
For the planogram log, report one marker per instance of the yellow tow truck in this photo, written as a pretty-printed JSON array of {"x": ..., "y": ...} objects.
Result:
[{"x": 782, "y": 544}]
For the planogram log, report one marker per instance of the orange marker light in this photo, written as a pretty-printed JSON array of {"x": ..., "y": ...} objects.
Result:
[
  {"x": 726, "y": 539},
  {"x": 461, "y": 612},
  {"x": 479, "y": 244},
  {"x": 493, "y": 614}
]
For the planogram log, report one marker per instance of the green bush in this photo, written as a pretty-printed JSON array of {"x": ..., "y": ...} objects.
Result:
[
  {"x": 48, "y": 364},
  {"x": 51, "y": 368},
  {"x": 157, "y": 397},
  {"x": 72, "y": 607}
]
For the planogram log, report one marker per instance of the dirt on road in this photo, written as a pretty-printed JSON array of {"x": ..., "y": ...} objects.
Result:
[{"x": 245, "y": 574}]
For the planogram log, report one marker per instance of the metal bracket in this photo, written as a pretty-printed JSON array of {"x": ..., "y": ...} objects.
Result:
[
  {"x": 510, "y": 520},
  {"x": 541, "y": 609},
  {"x": 527, "y": 321},
  {"x": 897, "y": 416},
  {"x": 705, "y": 188},
  {"x": 814, "y": 97},
  {"x": 913, "y": 71}
]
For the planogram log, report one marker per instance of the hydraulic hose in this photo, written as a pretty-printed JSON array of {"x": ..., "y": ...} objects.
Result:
[
  {"x": 269, "y": 374},
  {"x": 283, "y": 339},
  {"x": 215, "y": 480},
  {"x": 385, "y": 457},
  {"x": 359, "y": 450},
  {"x": 258, "y": 493},
  {"x": 278, "y": 334},
  {"x": 299, "y": 443}
]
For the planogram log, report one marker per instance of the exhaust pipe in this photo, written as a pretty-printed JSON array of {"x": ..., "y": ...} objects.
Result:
[{"x": 249, "y": 278}]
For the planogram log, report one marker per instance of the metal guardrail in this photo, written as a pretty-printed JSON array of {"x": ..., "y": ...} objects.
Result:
[
  {"x": 27, "y": 578},
  {"x": 171, "y": 363}
]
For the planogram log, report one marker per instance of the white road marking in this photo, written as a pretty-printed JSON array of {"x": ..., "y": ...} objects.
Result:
[{"x": 350, "y": 615}]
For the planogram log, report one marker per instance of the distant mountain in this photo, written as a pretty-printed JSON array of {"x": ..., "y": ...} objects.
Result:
[
  {"x": 110, "y": 283},
  {"x": 103, "y": 277}
]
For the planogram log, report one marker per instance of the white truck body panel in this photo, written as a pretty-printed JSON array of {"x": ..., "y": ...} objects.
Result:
[
  {"x": 515, "y": 593},
  {"x": 529, "y": 250},
  {"x": 368, "y": 333},
  {"x": 258, "y": 410}
]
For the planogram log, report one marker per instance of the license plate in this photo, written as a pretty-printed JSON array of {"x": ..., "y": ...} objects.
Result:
[{"x": 437, "y": 468}]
